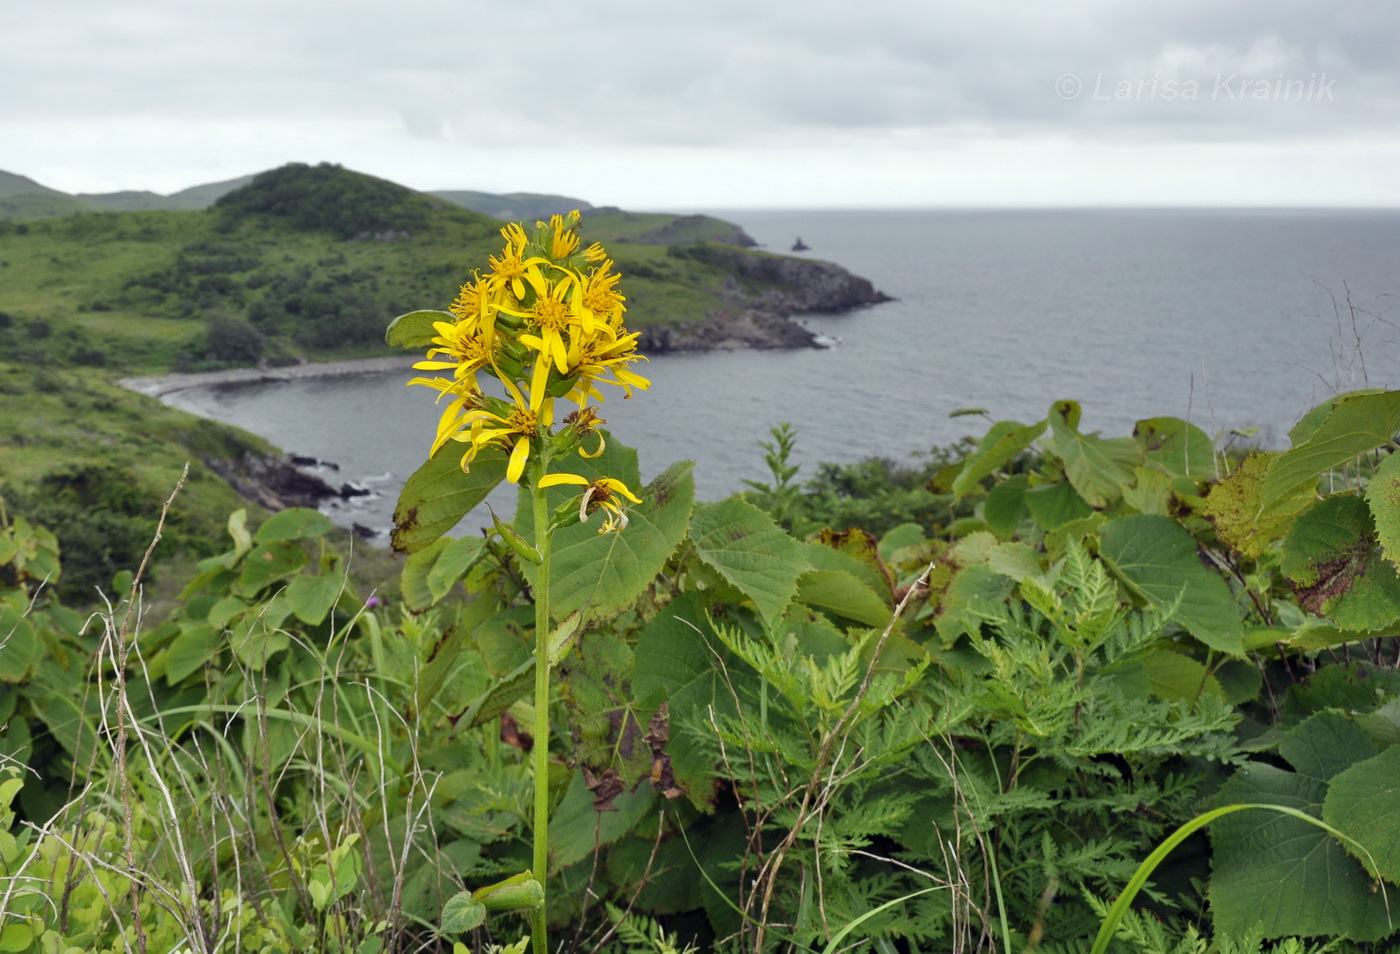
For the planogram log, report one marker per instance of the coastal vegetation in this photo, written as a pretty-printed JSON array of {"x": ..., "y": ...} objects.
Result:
[{"x": 1044, "y": 690}]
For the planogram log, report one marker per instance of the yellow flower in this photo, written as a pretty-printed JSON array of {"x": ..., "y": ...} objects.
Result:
[
  {"x": 465, "y": 345},
  {"x": 600, "y": 356},
  {"x": 512, "y": 269},
  {"x": 565, "y": 241},
  {"x": 601, "y": 495},
  {"x": 522, "y": 423}
]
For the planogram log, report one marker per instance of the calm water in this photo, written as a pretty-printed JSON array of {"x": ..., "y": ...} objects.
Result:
[{"x": 1228, "y": 318}]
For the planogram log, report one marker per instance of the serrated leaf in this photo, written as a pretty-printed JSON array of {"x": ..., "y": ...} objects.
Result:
[
  {"x": 439, "y": 494},
  {"x": 415, "y": 330},
  {"x": 601, "y": 574},
  {"x": 1363, "y": 802},
  {"x": 295, "y": 523},
  {"x": 751, "y": 552},
  {"x": 1383, "y": 497},
  {"x": 1282, "y": 874},
  {"x": 674, "y": 662},
  {"x": 462, "y": 913},
  {"x": 1354, "y": 424},
  {"x": 858, "y": 553},
  {"x": 1235, "y": 507},
  {"x": 1337, "y": 570},
  {"x": 1157, "y": 558}
]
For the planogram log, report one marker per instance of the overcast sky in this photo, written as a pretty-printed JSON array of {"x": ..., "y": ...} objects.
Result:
[{"x": 723, "y": 104}]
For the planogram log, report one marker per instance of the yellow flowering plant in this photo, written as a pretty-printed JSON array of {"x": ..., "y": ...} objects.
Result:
[{"x": 545, "y": 320}]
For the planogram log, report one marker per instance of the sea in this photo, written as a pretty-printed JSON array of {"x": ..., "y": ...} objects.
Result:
[{"x": 1236, "y": 320}]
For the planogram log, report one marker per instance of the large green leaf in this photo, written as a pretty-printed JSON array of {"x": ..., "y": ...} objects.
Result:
[
  {"x": 1383, "y": 497},
  {"x": 268, "y": 562},
  {"x": 600, "y": 574},
  {"x": 1099, "y": 469},
  {"x": 675, "y": 663},
  {"x": 1054, "y": 505},
  {"x": 296, "y": 523},
  {"x": 1174, "y": 446},
  {"x": 577, "y": 828},
  {"x": 1157, "y": 557},
  {"x": 754, "y": 554},
  {"x": 1363, "y": 803},
  {"x": 998, "y": 447},
  {"x": 311, "y": 597},
  {"x": 1235, "y": 507},
  {"x": 1337, "y": 570},
  {"x": 1354, "y": 424},
  {"x": 439, "y": 494},
  {"x": 1282, "y": 874}
]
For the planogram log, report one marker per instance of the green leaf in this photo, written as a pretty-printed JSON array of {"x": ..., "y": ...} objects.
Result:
[
  {"x": 269, "y": 562},
  {"x": 296, "y": 523},
  {"x": 1363, "y": 802},
  {"x": 311, "y": 597},
  {"x": 1383, "y": 497},
  {"x": 1176, "y": 677},
  {"x": 841, "y": 594},
  {"x": 576, "y": 827},
  {"x": 998, "y": 447},
  {"x": 1005, "y": 506},
  {"x": 413, "y": 581},
  {"x": 968, "y": 599},
  {"x": 1157, "y": 558},
  {"x": 674, "y": 662},
  {"x": 189, "y": 651},
  {"x": 1282, "y": 874},
  {"x": 754, "y": 554},
  {"x": 1326, "y": 744},
  {"x": 1336, "y": 568},
  {"x": 1176, "y": 447},
  {"x": 452, "y": 563},
  {"x": 601, "y": 574},
  {"x": 19, "y": 644},
  {"x": 1099, "y": 469},
  {"x": 439, "y": 494},
  {"x": 415, "y": 330},
  {"x": 238, "y": 530},
  {"x": 1054, "y": 505},
  {"x": 1235, "y": 507},
  {"x": 1354, "y": 424},
  {"x": 503, "y": 693},
  {"x": 1151, "y": 492},
  {"x": 856, "y": 552},
  {"x": 462, "y": 913}
]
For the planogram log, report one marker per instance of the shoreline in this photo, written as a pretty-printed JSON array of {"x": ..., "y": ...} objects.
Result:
[{"x": 158, "y": 386}]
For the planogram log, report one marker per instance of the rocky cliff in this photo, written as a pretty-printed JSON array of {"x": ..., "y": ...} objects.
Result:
[{"x": 762, "y": 293}]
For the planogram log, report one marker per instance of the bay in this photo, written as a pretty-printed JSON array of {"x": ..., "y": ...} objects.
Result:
[{"x": 1229, "y": 318}]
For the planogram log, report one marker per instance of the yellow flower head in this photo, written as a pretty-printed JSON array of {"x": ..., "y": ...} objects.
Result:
[{"x": 601, "y": 494}]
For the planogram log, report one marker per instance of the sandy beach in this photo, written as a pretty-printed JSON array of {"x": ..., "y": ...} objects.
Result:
[{"x": 161, "y": 385}]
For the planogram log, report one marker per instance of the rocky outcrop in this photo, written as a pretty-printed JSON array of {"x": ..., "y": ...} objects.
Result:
[
  {"x": 273, "y": 482},
  {"x": 726, "y": 331},
  {"x": 762, "y": 293},
  {"x": 792, "y": 285}
]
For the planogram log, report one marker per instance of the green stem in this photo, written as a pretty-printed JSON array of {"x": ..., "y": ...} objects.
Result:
[{"x": 544, "y": 543}]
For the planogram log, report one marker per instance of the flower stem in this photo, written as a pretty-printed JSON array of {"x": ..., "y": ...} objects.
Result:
[{"x": 543, "y": 543}]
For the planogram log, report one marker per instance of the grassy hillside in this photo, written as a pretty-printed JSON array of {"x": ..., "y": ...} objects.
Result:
[{"x": 304, "y": 263}]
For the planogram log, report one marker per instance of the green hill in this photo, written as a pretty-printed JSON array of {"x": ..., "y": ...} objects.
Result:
[{"x": 513, "y": 206}]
